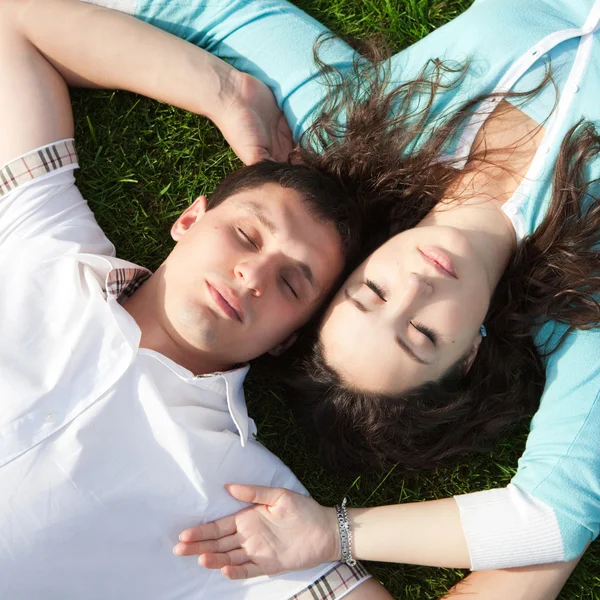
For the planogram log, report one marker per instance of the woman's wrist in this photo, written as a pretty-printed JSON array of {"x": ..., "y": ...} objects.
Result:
[{"x": 333, "y": 544}]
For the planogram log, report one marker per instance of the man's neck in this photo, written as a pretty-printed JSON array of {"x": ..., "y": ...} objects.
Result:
[{"x": 145, "y": 306}]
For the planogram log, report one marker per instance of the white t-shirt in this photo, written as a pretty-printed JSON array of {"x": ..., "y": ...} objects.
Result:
[{"x": 108, "y": 450}]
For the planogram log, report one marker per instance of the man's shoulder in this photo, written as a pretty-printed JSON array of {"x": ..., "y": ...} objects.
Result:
[{"x": 40, "y": 202}]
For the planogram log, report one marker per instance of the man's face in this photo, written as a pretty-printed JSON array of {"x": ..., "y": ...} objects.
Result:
[{"x": 246, "y": 274}]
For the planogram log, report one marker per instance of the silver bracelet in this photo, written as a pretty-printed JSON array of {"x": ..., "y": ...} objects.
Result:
[{"x": 345, "y": 533}]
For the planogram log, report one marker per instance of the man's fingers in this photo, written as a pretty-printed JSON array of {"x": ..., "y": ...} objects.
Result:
[
  {"x": 210, "y": 531},
  {"x": 244, "y": 571},
  {"x": 219, "y": 545},
  {"x": 254, "y": 155},
  {"x": 218, "y": 561},
  {"x": 256, "y": 494}
]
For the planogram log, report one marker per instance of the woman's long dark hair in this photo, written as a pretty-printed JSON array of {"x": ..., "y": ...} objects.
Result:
[{"x": 387, "y": 147}]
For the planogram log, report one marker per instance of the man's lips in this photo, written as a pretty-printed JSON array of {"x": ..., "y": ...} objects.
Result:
[
  {"x": 440, "y": 260},
  {"x": 227, "y": 302}
]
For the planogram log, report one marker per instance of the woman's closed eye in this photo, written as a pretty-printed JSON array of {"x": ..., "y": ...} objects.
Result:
[
  {"x": 364, "y": 303},
  {"x": 426, "y": 331},
  {"x": 376, "y": 289}
]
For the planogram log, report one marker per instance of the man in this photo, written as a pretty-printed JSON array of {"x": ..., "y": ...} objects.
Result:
[{"x": 121, "y": 406}]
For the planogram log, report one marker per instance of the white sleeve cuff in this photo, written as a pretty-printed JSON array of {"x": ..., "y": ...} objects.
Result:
[{"x": 507, "y": 528}]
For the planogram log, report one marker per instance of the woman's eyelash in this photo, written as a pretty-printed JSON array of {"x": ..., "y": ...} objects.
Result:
[
  {"x": 373, "y": 286},
  {"x": 426, "y": 332}
]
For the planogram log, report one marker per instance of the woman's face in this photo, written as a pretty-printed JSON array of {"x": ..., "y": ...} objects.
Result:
[{"x": 411, "y": 311}]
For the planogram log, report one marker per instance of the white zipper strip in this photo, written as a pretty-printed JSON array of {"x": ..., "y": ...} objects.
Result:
[{"x": 554, "y": 127}]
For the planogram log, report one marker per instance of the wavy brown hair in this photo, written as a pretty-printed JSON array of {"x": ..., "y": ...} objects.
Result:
[{"x": 385, "y": 142}]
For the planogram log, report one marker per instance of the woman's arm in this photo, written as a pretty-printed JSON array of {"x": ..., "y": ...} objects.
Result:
[
  {"x": 420, "y": 533},
  {"x": 540, "y": 582},
  {"x": 91, "y": 46},
  {"x": 286, "y": 531}
]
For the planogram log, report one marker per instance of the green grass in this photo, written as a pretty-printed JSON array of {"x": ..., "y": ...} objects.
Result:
[{"x": 143, "y": 162}]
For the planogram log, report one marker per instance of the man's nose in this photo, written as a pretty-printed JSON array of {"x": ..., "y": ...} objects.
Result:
[{"x": 254, "y": 273}]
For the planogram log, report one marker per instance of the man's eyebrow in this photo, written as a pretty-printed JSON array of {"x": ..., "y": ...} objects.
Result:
[
  {"x": 308, "y": 275},
  {"x": 409, "y": 351},
  {"x": 256, "y": 211}
]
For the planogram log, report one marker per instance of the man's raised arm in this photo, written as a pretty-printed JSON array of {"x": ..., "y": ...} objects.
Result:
[
  {"x": 44, "y": 43},
  {"x": 34, "y": 101}
]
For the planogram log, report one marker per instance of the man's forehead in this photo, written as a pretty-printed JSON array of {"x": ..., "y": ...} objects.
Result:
[
  {"x": 271, "y": 196},
  {"x": 280, "y": 210},
  {"x": 261, "y": 212}
]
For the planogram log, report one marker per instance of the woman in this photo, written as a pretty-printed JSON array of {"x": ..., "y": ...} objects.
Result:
[{"x": 550, "y": 511}]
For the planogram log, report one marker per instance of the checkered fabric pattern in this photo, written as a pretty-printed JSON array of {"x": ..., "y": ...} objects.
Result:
[
  {"x": 37, "y": 163},
  {"x": 334, "y": 583},
  {"x": 121, "y": 283}
]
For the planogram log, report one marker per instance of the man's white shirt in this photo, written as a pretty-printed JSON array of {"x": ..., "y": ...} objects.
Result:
[{"x": 107, "y": 450}]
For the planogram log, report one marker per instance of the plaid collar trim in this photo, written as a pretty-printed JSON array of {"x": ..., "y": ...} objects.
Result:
[
  {"x": 121, "y": 283},
  {"x": 34, "y": 164},
  {"x": 339, "y": 580}
]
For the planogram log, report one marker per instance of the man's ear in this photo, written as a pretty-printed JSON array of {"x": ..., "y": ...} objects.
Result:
[
  {"x": 281, "y": 348},
  {"x": 188, "y": 217},
  {"x": 468, "y": 362}
]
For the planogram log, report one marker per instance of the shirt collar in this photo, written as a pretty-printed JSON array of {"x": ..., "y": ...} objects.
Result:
[
  {"x": 229, "y": 386},
  {"x": 122, "y": 282},
  {"x": 236, "y": 402}
]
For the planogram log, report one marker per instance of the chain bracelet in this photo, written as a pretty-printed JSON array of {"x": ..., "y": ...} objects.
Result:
[
  {"x": 345, "y": 533},
  {"x": 350, "y": 560}
]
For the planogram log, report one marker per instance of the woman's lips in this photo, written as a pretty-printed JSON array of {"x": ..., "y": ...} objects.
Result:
[
  {"x": 223, "y": 304},
  {"x": 440, "y": 260}
]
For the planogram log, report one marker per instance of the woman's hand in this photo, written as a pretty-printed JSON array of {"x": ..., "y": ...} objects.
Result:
[
  {"x": 283, "y": 531},
  {"x": 251, "y": 121}
]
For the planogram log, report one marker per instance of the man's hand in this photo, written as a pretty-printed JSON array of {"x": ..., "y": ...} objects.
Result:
[
  {"x": 45, "y": 43},
  {"x": 251, "y": 121},
  {"x": 283, "y": 531}
]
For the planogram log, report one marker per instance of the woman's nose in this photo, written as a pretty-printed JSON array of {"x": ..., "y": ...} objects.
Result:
[
  {"x": 417, "y": 287},
  {"x": 412, "y": 293}
]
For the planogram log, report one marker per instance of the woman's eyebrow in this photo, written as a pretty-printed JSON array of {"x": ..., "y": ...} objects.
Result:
[
  {"x": 410, "y": 351},
  {"x": 355, "y": 302}
]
